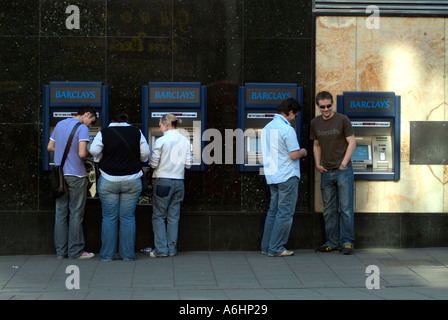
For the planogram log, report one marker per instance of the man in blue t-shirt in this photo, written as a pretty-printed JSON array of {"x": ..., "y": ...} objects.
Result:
[
  {"x": 281, "y": 153},
  {"x": 68, "y": 233}
]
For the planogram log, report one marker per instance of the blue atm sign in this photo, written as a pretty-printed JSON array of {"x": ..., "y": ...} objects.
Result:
[
  {"x": 174, "y": 95},
  {"x": 75, "y": 95},
  {"x": 368, "y": 104},
  {"x": 269, "y": 95}
]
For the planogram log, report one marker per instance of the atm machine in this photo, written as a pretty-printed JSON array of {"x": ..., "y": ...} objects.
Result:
[
  {"x": 62, "y": 100},
  {"x": 375, "y": 117},
  {"x": 188, "y": 102},
  {"x": 257, "y": 105}
]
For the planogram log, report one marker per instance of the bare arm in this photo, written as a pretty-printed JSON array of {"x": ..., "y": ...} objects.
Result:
[
  {"x": 51, "y": 146},
  {"x": 317, "y": 156},
  {"x": 297, "y": 154},
  {"x": 351, "y": 147},
  {"x": 83, "y": 152}
]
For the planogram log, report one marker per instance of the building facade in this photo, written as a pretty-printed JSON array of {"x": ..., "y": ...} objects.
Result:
[{"x": 222, "y": 44}]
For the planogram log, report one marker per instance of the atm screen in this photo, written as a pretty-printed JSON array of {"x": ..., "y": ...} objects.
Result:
[
  {"x": 253, "y": 151},
  {"x": 362, "y": 152},
  {"x": 253, "y": 144}
]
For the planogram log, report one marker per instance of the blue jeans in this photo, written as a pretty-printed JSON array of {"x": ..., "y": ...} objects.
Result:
[
  {"x": 166, "y": 201},
  {"x": 280, "y": 216},
  {"x": 68, "y": 232},
  {"x": 337, "y": 187},
  {"x": 119, "y": 200}
]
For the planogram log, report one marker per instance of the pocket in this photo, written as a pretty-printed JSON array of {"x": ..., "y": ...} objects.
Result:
[{"x": 162, "y": 191}]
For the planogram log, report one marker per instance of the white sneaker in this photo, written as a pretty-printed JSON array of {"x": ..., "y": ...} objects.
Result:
[
  {"x": 153, "y": 255},
  {"x": 285, "y": 253},
  {"x": 86, "y": 255}
]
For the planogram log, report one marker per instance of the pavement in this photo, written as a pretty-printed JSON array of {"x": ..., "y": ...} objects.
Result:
[{"x": 368, "y": 274}]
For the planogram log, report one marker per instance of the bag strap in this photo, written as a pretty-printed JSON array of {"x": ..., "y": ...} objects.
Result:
[{"x": 69, "y": 142}]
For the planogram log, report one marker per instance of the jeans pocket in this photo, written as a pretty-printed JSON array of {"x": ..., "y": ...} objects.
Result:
[{"x": 162, "y": 191}]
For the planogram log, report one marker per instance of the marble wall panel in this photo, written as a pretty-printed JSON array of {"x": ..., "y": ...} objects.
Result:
[
  {"x": 20, "y": 18},
  {"x": 335, "y": 54},
  {"x": 54, "y": 15},
  {"x": 19, "y": 166},
  {"x": 19, "y": 71},
  {"x": 140, "y": 18},
  {"x": 445, "y": 110},
  {"x": 407, "y": 56}
]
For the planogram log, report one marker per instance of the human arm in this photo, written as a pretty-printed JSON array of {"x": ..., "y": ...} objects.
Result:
[
  {"x": 51, "y": 145},
  {"x": 348, "y": 154},
  {"x": 83, "y": 152},
  {"x": 297, "y": 154},
  {"x": 188, "y": 156},
  {"x": 155, "y": 155},
  {"x": 144, "y": 149},
  {"x": 318, "y": 156},
  {"x": 96, "y": 148}
]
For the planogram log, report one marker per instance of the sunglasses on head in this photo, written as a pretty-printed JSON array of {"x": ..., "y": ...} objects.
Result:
[{"x": 328, "y": 106}]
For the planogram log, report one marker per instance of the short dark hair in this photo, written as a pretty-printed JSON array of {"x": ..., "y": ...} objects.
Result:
[
  {"x": 87, "y": 108},
  {"x": 289, "y": 104},
  {"x": 122, "y": 117},
  {"x": 324, "y": 95}
]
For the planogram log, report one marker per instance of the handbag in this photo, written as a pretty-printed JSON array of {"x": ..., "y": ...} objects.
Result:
[{"x": 58, "y": 186}]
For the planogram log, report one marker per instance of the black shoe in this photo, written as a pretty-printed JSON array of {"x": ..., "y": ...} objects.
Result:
[
  {"x": 325, "y": 248},
  {"x": 347, "y": 248}
]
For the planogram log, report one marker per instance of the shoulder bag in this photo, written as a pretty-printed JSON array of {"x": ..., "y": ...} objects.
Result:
[{"x": 58, "y": 185}]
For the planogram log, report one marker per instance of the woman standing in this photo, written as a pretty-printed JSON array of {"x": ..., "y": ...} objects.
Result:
[
  {"x": 120, "y": 150},
  {"x": 171, "y": 155}
]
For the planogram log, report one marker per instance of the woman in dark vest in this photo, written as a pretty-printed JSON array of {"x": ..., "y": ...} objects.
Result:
[{"x": 120, "y": 149}]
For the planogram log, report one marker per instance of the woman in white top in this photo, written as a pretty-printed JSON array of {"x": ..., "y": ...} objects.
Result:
[{"x": 170, "y": 156}]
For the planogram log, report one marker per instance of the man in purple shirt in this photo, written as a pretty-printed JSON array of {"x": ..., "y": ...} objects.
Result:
[{"x": 68, "y": 233}]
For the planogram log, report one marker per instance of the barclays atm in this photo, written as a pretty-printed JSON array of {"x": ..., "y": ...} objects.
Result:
[
  {"x": 62, "y": 100},
  {"x": 257, "y": 105},
  {"x": 188, "y": 102},
  {"x": 375, "y": 117}
]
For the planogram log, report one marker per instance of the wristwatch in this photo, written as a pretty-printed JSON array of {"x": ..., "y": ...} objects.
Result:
[{"x": 343, "y": 165}]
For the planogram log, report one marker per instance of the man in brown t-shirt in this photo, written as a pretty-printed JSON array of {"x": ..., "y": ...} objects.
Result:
[{"x": 334, "y": 143}]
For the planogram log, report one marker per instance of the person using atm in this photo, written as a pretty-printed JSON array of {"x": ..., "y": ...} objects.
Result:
[
  {"x": 68, "y": 232},
  {"x": 334, "y": 143},
  {"x": 281, "y": 153},
  {"x": 120, "y": 149},
  {"x": 170, "y": 156}
]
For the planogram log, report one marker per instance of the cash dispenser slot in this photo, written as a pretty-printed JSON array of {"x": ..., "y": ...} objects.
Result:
[{"x": 373, "y": 152}]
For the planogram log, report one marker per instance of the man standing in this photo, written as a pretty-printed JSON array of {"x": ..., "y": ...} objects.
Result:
[
  {"x": 68, "y": 232},
  {"x": 334, "y": 143},
  {"x": 281, "y": 153}
]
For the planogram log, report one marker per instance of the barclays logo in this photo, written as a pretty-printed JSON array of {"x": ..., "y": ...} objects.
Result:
[
  {"x": 369, "y": 104},
  {"x": 174, "y": 94},
  {"x": 75, "y": 94},
  {"x": 270, "y": 95}
]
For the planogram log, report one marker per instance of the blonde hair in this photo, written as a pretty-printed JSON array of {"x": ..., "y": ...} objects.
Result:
[{"x": 170, "y": 120}]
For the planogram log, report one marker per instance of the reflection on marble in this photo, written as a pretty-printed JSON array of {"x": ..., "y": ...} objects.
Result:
[
  {"x": 407, "y": 56},
  {"x": 19, "y": 166}
]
